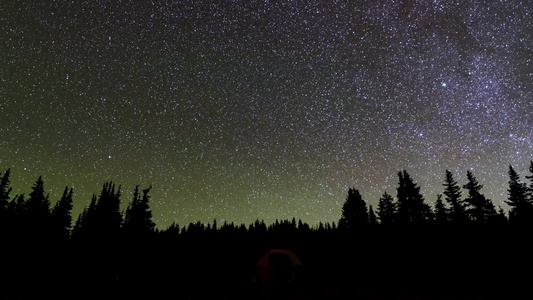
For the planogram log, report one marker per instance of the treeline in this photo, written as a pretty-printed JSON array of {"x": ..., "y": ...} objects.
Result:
[
  {"x": 403, "y": 244},
  {"x": 473, "y": 209},
  {"x": 34, "y": 216}
]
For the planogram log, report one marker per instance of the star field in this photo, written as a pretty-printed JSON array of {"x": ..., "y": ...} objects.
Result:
[{"x": 239, "y": 110}]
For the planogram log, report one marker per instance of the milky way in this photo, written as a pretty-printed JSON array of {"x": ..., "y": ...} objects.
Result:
[{"x": 244, "y": 110}]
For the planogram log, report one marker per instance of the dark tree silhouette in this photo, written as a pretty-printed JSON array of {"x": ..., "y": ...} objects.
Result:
[
  {"x": 61, "y": 217},
  {"x": 16, "y": 210},
  {"x": 441, "y": 213},
  {"x": 5, "y": 190},
  {"x": 103, "y": 218},
  {"x": 354, "y": 211},
  {"x": 530, "y": 178},
  {"x": 412, "y": 208},
  {"x": 480, "y": 209},
  {"x": 303, "y": 227},
  {"x": 386, "y": 209},
  {"x": 108, "y": 217},
  {"x": 521, "y": 205},
  {"x": 138, "y": 218},
  {"x": 37, "y": 211},
  {"x": 372, "y": 219},
  {"x": 501, "y": 218},
  {"x": 84, "y": 226},
  {"x": 452, "y": 191}
]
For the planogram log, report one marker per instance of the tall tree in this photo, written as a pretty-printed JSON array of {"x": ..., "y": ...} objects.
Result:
[
  {"x": 103, "y": 218},
  {"x": 386, "y": 209},
  {"x": 452, "y": 191},
  {"x": 530, "y": 178},
  {"x": 13, "y": 219},
  {"x": 138, "y": 218},
  {"x": 5, "y": 190},
  {"x": 480, "y": 209},
  {"x": 354, "y": 211},
  {"x": 37, "y": 210},
  {"x": 372, "y": 219},
  {"x": 441, "y": 213},
  {"x": 108, "y": 217},
  {"x": 412, "y": 208},
  {"x": 84, "y": 224},
  {"x": 521, "y": 205},
  {"x": 16, "y": 209},
  {"x": 61, "y": 214}
]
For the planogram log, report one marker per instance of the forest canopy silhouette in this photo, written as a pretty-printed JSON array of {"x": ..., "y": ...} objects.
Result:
[{"x": 403, "y": 235}]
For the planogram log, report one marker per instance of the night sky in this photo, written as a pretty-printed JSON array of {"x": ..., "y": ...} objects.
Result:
[{"x": 244, "y": 110}]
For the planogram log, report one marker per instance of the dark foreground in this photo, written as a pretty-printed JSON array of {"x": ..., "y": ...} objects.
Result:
[{"x": 393, "y": 265}]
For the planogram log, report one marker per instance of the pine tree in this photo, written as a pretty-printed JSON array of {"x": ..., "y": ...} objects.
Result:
[
  {"x": 521, "y": 206},
  {"x": 108, "y": 217},
  {"x": 14, "y": 215},
  {"x": 260, "y": 227},
  {"x": 173, "y": 231},
  {"x": 354, "y": 211},
  {"x": 103, "y": 218},
  {"x": 303, "y": 227},
  {"x": 61, "y": 217},
  {"x": 386, "y": 209},
  {"x": 441, "y": 213},
  {"x": 501, "y": 219},
  {"x": 138, "y": 219},
  {"x": 372, "y": 219},
  {"x": 480, "y": 209},
  {"x": 129, "y": 217},
  {"x": 37, "y": 211},
  {"x": 452, "y": 191},
  {"x": 5, "y": 190},
  {"x": 84, "y": 227},
  {"x": 321, "y": 227},
  {"x": 530, "y": 178},
  {"x": 412, "y": 208},
  {"x": 16, "y": 209}
]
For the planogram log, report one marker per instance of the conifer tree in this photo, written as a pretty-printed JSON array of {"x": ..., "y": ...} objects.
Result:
[
  {"x": 480, "y": 209},
  {"x": 521, "y": 206},
  {"x": 173, "y": 231},
  {"x": 138, "y": 219},
  {"x": 386, "y": 209},
  {"x": 293, "y": 224},
  {"x": 129, "y": 224},
  {"x": 103, "y": 218},
  {"x": 530, "y": 178},
  {"x": 13, "y": 219},
  {"x": 303, "y": 227},
  {"x": 372, "y": 219},
  {"x": 452, "y": 191},
  {"x": 84, "y": 226},
  {"x": 61, "y": 217},
  {"x": 37, "y": 210},
  {"x": 321, "y": 227},
  {"x": 5, "y": 190},
  {"x": 501, "y": 219},
  {"x": 441, "y": 213},
  {"x": 108, "y": 217},
  {"x": 16, "y": 208},
  {"x": 354, "y": 211},
  {"x": 260, "y": 227},
  {"x": 412, "y": 208}
]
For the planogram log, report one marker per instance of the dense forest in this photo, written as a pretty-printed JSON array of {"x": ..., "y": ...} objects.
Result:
[{"x": 403, "y": 248}]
